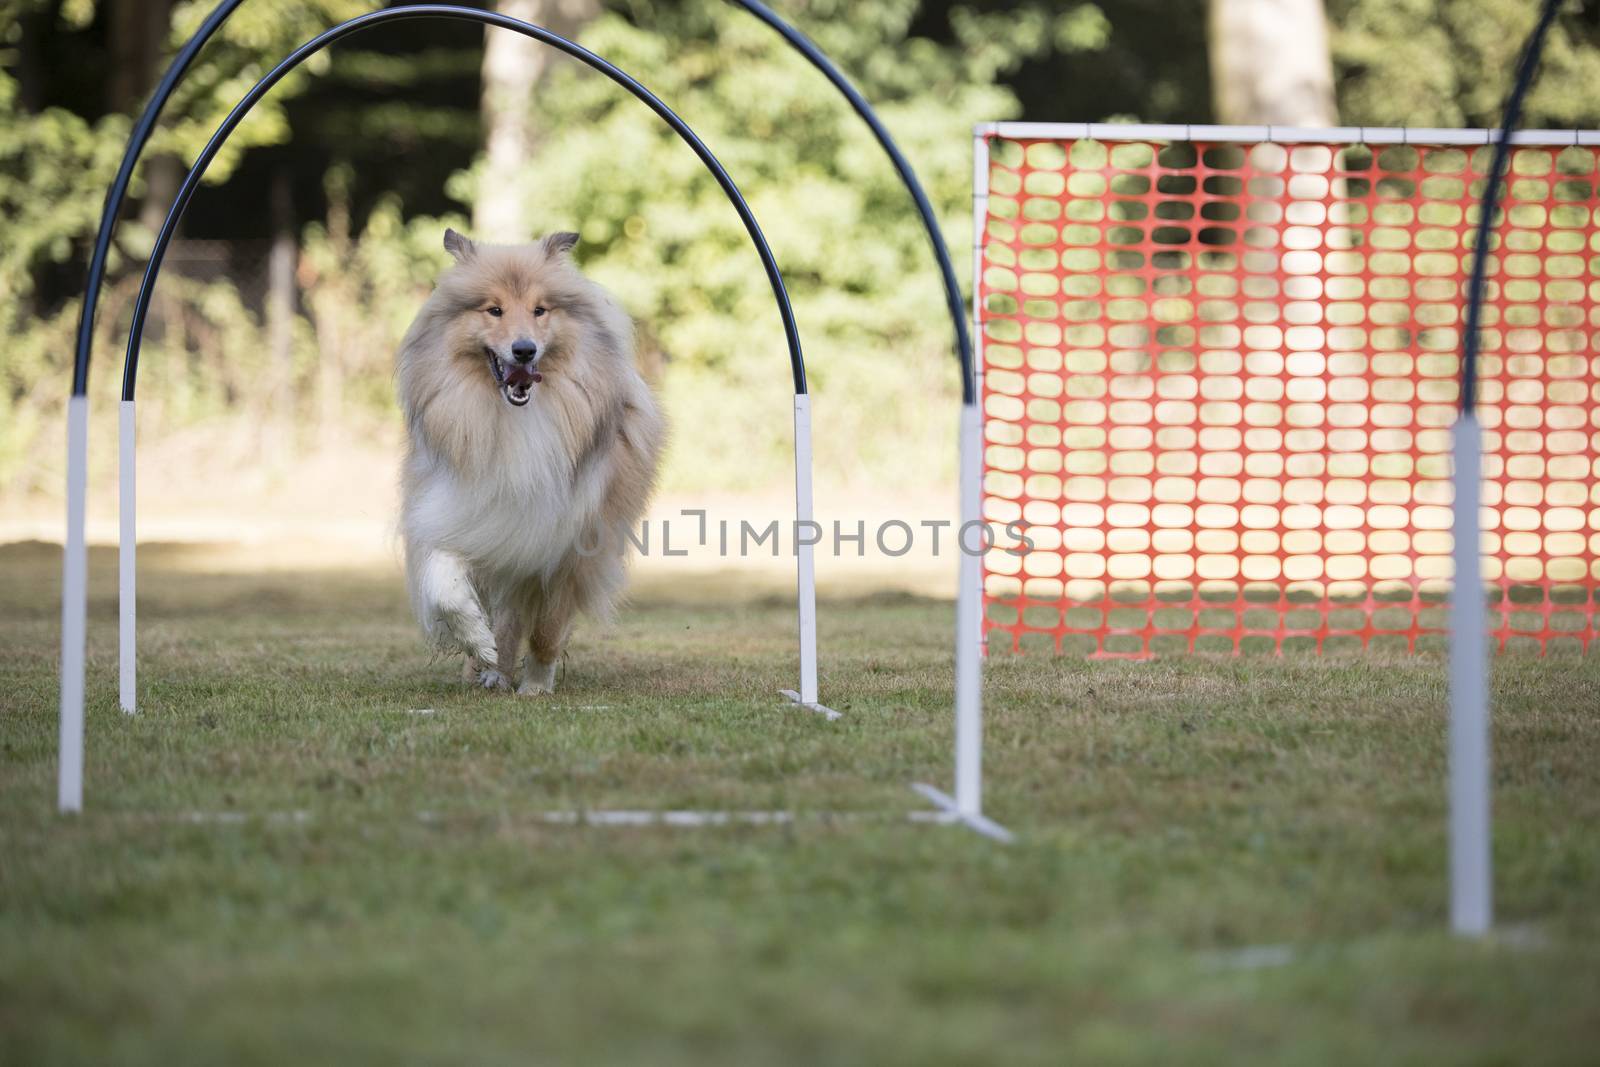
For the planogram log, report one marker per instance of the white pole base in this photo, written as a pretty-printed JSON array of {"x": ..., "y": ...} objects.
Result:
[
  {"x": 810, "y": 705},
  {"x": 805, "y": 558},
  {"x": 969, "y": 622},
  {"x": 950, "y": 812},
  {"x": 127, "y": 566},
  {"x": 74, "y": 611},
  {"x": 1471, "y": 868}
]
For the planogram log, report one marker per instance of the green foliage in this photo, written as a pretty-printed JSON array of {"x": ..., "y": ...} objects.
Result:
[
  {"x": 1449, "y": 63},
  {"x": 55, "y": 167},
  {"x": 997, "y": 42},
  {"x": 655, "y": 227},
  {"x": 253, "y": 39},
  {"x": 360, "y": 291}
]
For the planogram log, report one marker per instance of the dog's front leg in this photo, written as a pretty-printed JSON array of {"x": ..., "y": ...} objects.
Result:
[
  {"x": 552, "y": 625},
  {"x": 448, "y": 608},
  {"x": 510, "y": 625}
]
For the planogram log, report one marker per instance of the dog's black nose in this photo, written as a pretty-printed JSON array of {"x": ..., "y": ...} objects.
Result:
[{"x": 524, "y": 350}]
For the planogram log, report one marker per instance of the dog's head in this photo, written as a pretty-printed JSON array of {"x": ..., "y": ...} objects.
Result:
[{"x": 515, "y": 309}]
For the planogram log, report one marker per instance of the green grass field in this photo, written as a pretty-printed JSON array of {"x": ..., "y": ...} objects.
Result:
[{"x": 1220, "y": 861}]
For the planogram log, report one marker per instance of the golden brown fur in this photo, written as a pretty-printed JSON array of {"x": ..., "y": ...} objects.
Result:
[{"x": 513, "y": 516}]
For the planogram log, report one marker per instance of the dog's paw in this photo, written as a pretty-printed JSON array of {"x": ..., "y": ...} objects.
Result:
[
  {"x": 492, "y": 679},
  {"x": 540, "y": 679},
  {"x": 458, "y": 631}
]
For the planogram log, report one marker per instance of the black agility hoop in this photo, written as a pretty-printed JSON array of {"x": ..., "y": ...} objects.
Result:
[
  {"x": 964, "y": 808},
  {"x": 116, "y": 196},
  {"x": 191, "y": 182},
  {"x": 1490, "y": 201},
  {"x": 908, "y": 177}
]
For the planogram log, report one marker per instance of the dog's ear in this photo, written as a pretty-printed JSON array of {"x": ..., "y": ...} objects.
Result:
[
  {"x": 460, "y": 247},
  {"x": 558, "y": 243}
]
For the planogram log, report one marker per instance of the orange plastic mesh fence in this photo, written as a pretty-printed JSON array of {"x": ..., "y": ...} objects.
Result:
[{"x": 1219, "y": 380}]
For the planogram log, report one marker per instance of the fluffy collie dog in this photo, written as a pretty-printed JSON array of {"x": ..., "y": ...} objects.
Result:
[{"x": 533, "y": 446}]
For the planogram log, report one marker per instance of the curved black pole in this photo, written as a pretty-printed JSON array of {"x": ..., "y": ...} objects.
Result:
[
  {"x": 446, "y": 11},
  {"x": 1491, "y": 201},
  {"x": 118, "y": 193},
  {"x": 952, "y": 289}
]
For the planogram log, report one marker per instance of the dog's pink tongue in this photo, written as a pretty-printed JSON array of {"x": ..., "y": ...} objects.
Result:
[{"x": 520, "y": 375}]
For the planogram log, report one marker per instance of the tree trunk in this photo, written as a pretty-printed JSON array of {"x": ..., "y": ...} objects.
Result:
[
  {"x": 330, "y": 300},
  {"x": 1270, "y": 63},
  {"x": 136, "y": 31},
  {"x": 36, "y": 31},
  {"x": 512, "y": 67},
  {"x": 137, "y": 37},
  {"x": 280, "y": 304}
]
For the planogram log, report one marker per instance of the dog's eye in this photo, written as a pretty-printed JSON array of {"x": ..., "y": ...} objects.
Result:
[
  {"x": 539, "y": 312},
  {"x": 496, "y": 312}
]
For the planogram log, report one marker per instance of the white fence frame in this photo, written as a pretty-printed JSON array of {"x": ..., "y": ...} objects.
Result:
[
  {"x": 1470, "y": 825},
  {"x": 1386, "y": 135}
]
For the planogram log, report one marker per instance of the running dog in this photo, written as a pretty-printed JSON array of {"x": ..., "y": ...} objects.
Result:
[{"x": 533, "y": 444}]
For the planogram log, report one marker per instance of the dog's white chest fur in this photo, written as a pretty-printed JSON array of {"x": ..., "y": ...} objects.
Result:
[{"x": 519, "y": 519}]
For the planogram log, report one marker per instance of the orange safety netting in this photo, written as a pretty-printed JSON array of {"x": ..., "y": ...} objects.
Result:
[{"x": 1219, "y": 380}]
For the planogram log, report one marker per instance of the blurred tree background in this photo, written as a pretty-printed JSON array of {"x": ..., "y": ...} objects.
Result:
[{"x": 318, "y": 234}]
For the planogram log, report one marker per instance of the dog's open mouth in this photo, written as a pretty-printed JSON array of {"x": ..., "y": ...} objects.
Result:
[{"x": 516, "y": 380}]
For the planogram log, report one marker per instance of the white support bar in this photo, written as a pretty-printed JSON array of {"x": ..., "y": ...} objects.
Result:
[
  {"x": 969, "y": 622},
  {"x": 1466, "y": 137},
  {"x": 613, "y": 817},
  {"x": 949, "y": 811},
  {"x": 593, "y": 817},
  {"x": 1372, "y": 135},
  {"x": 980, "y": 221},
  {"x": 74, "y": 610},
  {"x": 1544, "y": 137},
  {"x": 1244, "y": 134},
  {"x": 804, "y": 553},
  {"x": 127, "y": 566},
  {"x": 1376, "y": 135},
  {"x": 1311, "y": 134},
  {"x": 1027, "y": 131},
  {"x": 810, "y": 705},
  {"x": 1152, "y": 131},
  {"x": 1471, "y": 877}
]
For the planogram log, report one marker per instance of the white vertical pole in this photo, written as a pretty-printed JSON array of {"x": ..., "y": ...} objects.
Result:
[
  {"x": 127, "y": 549},
  {"x": 74, "y": 608},
  {"x": 805, "y": 560},
  {"x": 1471, "y": 879},
  {"x": 969, "y": 594},
  {"x": 969, "y": 608},
  {"x": 980, "y": 221}
]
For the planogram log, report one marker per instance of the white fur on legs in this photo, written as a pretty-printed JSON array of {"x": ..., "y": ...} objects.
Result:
[
  {"x": 540, "y": 678},
  {"x": 448, "y": 607}
]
